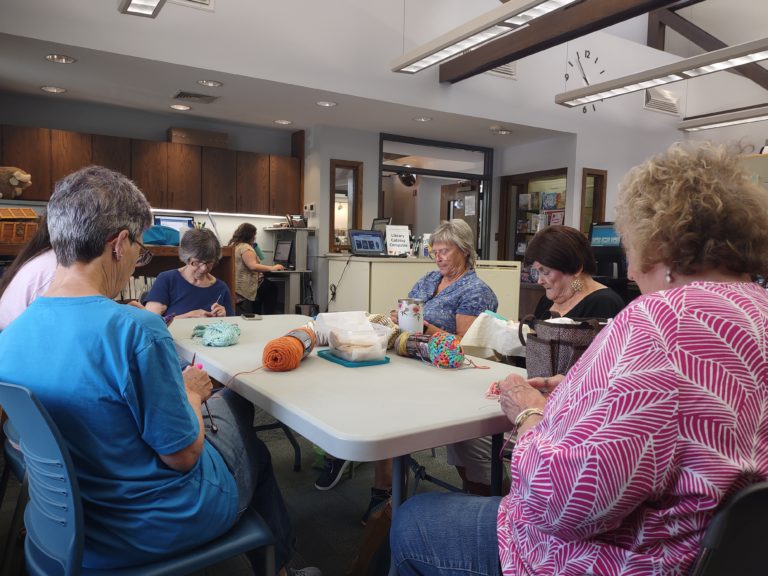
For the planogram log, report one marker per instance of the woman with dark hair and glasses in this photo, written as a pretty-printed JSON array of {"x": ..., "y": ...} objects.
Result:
[
  {"x": 562, "y": 262},
  {"x": 154, "y": 481},
  {"x": 192, "y": 291}
]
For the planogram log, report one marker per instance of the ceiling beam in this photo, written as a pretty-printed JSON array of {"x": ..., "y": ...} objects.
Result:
[
  {"x": 549, "y": 30},
  {"x": 705, "y": 40}
]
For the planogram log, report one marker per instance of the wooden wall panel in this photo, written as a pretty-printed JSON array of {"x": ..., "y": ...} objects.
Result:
[
  {"x": 284, "y": 191},
  {"x": 219, "y": 180},
  {"x": 112, "y": 152},
  {"x": 70, "y": 151},
  {"x": 252, "y": 183},
  {"x": 149, "y": 169},
  {"x": 30, "y": 150},
  {"x": 184, "y": 173}
]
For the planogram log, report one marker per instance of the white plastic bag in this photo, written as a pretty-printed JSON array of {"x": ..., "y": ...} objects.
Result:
[{"x": 490, "y": 335}]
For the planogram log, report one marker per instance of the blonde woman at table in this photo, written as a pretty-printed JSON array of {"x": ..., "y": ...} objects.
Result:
[
  {"x": 154, "y": 480},
  {"x": 621, "y": 468},
  {"x": 192, "y": 291},
  {"x": 248, "y": 268}
]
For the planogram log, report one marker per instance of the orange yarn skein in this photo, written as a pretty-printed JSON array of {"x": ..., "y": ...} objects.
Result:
[{"x": 286, "y": 353}]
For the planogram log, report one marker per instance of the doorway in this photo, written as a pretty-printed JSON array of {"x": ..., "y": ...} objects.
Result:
[{"x": 593, "y": 185}]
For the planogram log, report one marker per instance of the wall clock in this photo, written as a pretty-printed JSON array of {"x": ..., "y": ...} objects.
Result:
[{"x": 587, "y": 70}]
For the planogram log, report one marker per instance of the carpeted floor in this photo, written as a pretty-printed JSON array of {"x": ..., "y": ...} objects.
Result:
[{"x": 327, "y": 524}]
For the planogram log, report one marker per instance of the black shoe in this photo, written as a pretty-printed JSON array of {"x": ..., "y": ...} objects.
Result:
[
  {"x": 331, "y": 474},
  {"x": 379, "y": 498}
]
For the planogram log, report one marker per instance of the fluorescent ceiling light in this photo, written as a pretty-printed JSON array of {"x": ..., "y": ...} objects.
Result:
[
  {"x": 714, "y": 61},
  {"x": 499, "y": 21},
  {"x": 720, "y": 120},
  {"x": 148, "y": 8}
]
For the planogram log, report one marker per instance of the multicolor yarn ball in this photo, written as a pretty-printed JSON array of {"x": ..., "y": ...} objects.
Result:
[{"x": 445, "y": 350}]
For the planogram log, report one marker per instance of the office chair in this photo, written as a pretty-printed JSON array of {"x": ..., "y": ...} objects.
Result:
[
  {"x": 734, "y": 542},
  {"x": 54, "y": 515}
]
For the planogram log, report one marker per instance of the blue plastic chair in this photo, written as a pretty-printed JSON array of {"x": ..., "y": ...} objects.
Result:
[
  {"x": 14, "y": 463},
  {"x": 54, "y": 516}
]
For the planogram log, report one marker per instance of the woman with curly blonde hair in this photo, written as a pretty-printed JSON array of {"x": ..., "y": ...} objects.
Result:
[{"x": 620, "y": 468}]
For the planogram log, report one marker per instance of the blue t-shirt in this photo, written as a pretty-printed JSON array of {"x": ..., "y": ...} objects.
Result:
[
  {"x": 170, "y": 288},
  {"x": 109, "y": 376},
  {"x": 468, "y": 295}
]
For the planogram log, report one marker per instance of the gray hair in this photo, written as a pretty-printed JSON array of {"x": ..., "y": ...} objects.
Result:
[
  {"x": 457, "y": 232},
  {"x": 201, "y": 244},
  {"x": 89, "y": 206}
]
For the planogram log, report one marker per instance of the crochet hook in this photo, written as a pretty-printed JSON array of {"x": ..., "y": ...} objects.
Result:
[{"x": 214, "y": 428}]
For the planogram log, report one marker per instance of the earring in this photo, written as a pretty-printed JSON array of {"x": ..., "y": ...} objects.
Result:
[
  {"x": 668, "y": 277},
  {"x": 577, "y": 285}
]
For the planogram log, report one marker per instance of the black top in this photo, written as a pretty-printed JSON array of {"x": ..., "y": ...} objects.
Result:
[{"x": 603, "y": 303}]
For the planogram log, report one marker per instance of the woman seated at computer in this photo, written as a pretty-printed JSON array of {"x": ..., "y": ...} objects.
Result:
[
  {"x": 248, "y": 269},
  {"x": 562, "y": 262},
  {"x": 192, "y": 291}
]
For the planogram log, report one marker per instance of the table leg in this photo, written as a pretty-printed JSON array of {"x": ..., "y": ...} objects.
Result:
[
  {"x": 399, "y": 470},
  {"x": 497, "y": 469}
]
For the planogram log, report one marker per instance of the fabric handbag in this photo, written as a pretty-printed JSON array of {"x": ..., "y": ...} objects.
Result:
[{"x": 553, "y": 347}]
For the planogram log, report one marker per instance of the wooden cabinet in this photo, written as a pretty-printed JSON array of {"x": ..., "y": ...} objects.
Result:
[
  {"x": 70, "y": 151},
  {"x": 112, "y": 152},
  {"x": 184, "y": 172},
  {"x": 219, "y": 177},
  {"x": 149, "y": 170},
  {"x": 30, "y": 150},
  {"x": 284, "y": 178},
  {"x": 252, "y": 183}
]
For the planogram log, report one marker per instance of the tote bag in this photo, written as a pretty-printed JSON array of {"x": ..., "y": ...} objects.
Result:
[{"x": 552, "y": 348}]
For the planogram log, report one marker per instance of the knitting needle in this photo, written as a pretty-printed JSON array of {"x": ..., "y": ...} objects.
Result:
[
  {"x": 214, "y": 428},
  {"x": 218, "y": 299}
]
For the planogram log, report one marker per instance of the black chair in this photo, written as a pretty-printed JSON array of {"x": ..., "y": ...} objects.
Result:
[{"x": 736, "y": 538}]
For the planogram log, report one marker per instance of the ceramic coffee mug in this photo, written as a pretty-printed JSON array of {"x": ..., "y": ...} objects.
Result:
[{"x": 410, "y": 314}]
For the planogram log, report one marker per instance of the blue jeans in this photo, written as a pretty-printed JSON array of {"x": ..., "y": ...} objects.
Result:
[
  {"x": 250, "y": 462},
  {"x": 446, "y": 534}
]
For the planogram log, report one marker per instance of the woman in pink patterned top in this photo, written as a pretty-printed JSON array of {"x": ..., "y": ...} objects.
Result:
[{"x": 620, "y": 469}]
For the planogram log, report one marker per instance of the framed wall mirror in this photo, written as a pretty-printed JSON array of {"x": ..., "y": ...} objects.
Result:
[
  {"x": 593, "y": 183},
  {"x": 346, "y": 206}
]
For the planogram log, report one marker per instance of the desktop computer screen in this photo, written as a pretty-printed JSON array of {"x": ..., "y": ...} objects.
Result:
[
  {"x": 381, "y": 224},
  {"x": 175, "y": 222},
  {"x": 283, "y": 250},
  {"x": 604, "y": 235}
]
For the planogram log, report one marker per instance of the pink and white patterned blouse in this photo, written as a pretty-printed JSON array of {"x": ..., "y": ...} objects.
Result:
[{"x": 664, "y": 416}]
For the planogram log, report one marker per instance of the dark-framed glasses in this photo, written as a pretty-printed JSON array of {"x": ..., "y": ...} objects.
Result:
[
  {"x": 209, "y": 264},
  {"x": 144, "y": 254}
]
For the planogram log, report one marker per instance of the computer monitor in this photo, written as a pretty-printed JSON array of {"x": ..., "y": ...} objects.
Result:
[
  {"x": 176, "y": 222},
  {"x": 603, "y": 234},
  {"x": 283, "y": 250},
  {"x": 606, "y": 246},
  {"x": 381, "y": 224}
]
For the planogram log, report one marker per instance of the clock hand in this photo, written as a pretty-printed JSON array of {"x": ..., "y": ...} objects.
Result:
[{"x": 583, "y": 74}]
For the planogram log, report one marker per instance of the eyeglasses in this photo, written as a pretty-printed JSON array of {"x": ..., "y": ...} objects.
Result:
[
  {"x": 441, "y": 253},
  {"x": 144, "y": 254},
  {"x": 209, "y": 264}
]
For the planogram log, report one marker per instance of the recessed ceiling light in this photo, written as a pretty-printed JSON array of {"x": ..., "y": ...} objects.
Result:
[
  {"x": 53, "y": 89},
  {"x": 326, "y": 103},
  {"x": 422, "y": 119},
  {"x": 500, "y": 131},
  {"x": 283, "y": 122},
  {"x": 60, "y": 59},
  {"x": 181, "y": 107},
  {"x": 210, "y": 83}
]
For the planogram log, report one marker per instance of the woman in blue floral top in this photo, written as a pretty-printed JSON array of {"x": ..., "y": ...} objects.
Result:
[{"x": 453, "y": 294}]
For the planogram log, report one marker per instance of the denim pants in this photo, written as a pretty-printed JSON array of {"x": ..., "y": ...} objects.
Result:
[
  {"x": 446, "y": 534},
  {"x": 249, "y": 461}
]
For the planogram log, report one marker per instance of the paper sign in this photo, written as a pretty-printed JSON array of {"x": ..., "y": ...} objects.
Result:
[
  {"x": 398, "y": 240},
  {"x": 469, "y": 205}
]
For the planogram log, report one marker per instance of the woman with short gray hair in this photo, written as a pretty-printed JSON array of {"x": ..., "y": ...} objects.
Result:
[
  {"x": 192, "y": 291},
  {"x": 153, "y": 483}
]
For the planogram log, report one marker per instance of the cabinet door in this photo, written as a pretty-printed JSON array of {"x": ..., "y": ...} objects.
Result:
[
  {"x": 252, "y": 183},
  {"x": 284, "y": 194},
  {"x": 184, "y": 173},
  {"x": 219, "y": 179},
  {"x": 149, "y": 170},
  {"x": 70, "y": 151},
  {"x": 30, "y": 150},
  {"x": 112, "y": 152}
]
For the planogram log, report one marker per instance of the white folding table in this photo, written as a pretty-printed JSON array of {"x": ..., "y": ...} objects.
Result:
[{"x": 360, "y": 414}]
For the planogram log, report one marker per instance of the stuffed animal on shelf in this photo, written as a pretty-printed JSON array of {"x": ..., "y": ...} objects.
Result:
[{"x": 13, "y": 181}]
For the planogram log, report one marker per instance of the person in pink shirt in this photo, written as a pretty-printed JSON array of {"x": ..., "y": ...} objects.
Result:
[
  {"x": 620, "y": 468},
  {"x": 28, "y": 276}
]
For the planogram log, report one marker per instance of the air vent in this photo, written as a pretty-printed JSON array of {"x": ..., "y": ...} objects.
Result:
[
  {"x": 201, "y": 4},
  {"x": 661, "y": 100},
  {"x": 194, "y": 97},
  {"x": 508, "y": 70}
]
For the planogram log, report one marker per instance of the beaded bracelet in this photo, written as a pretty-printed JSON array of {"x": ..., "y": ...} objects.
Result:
[{"x": 525, "y": 414}]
